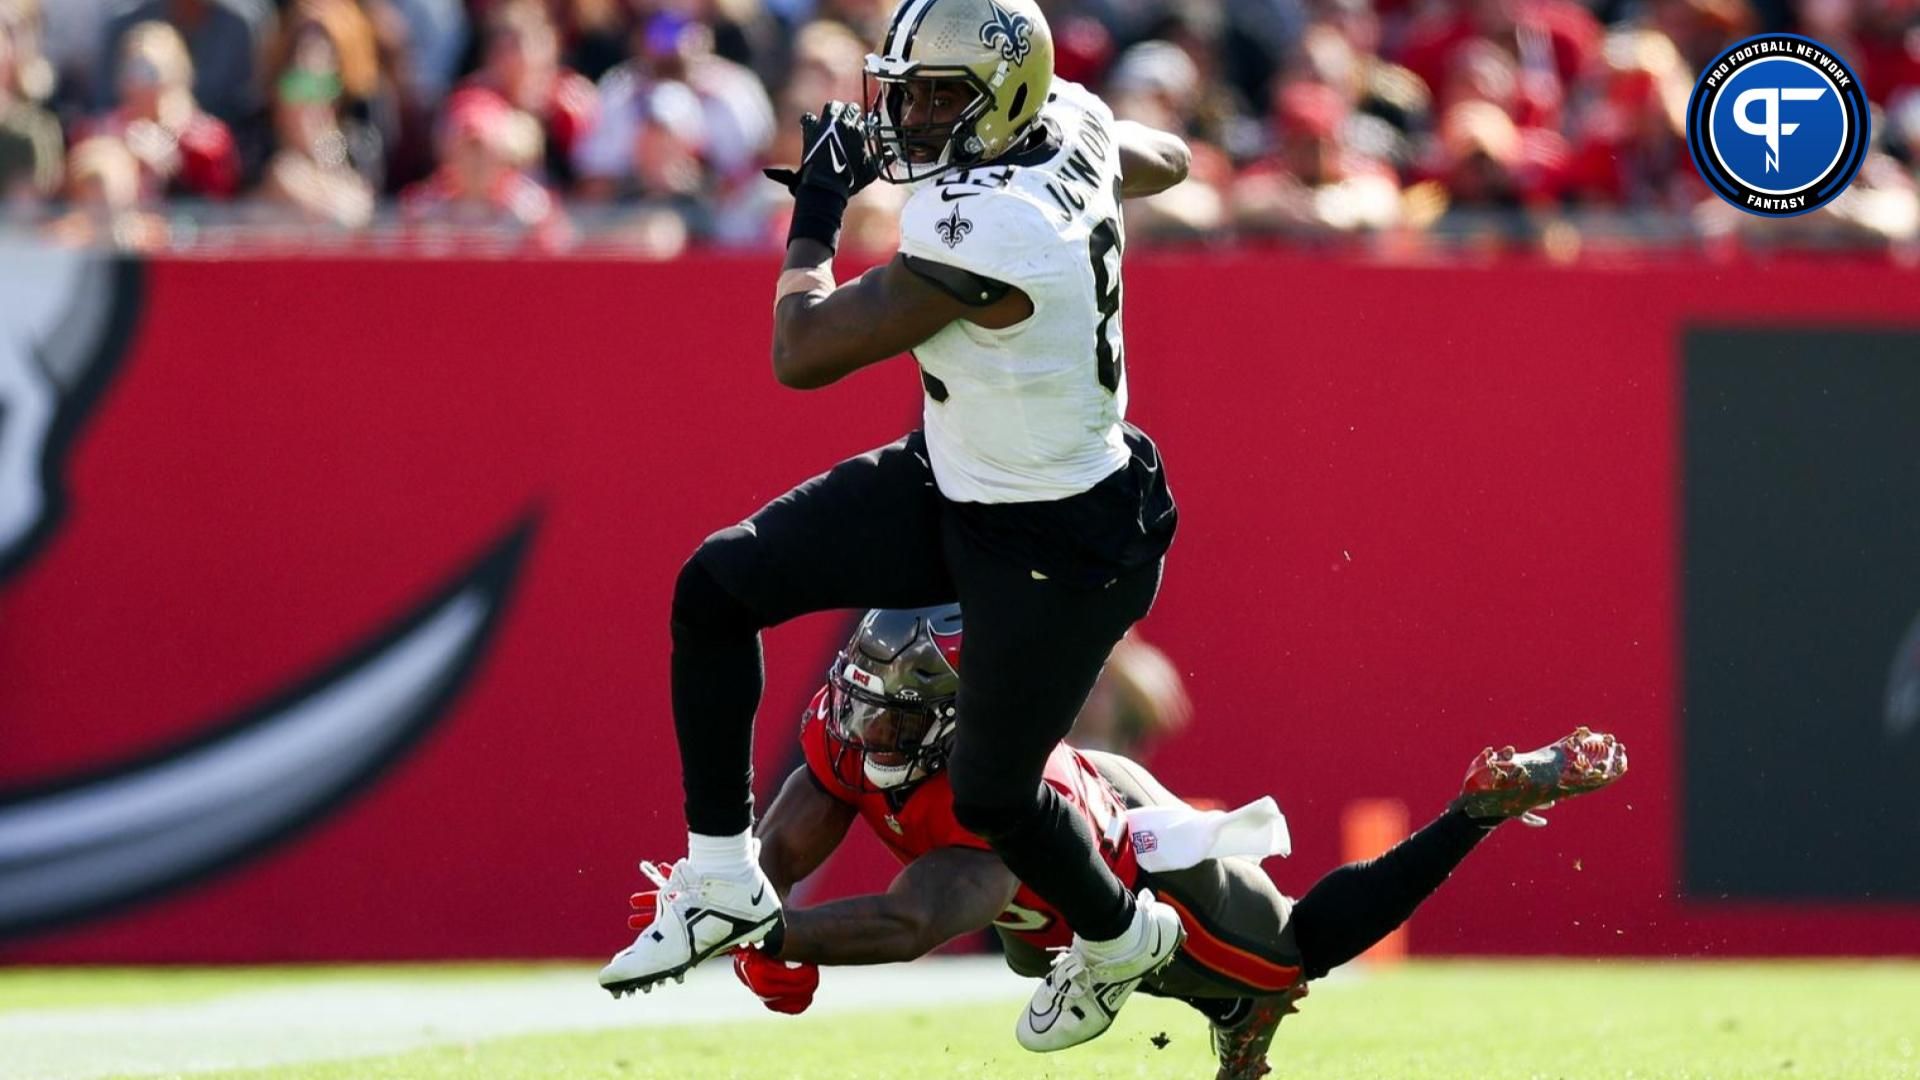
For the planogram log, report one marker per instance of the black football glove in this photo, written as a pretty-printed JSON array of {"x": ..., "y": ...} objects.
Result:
[{"x": 836, "y": 165}]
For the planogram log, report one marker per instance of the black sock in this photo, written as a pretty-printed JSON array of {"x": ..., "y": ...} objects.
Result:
[{"x": 1353, "y": 907}]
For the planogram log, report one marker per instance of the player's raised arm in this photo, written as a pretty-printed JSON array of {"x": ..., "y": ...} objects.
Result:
[
  {"x": 939, "y": 896},
  {"x": 821, "y": 336},
  {"x": 800, "y": 830},
  {"x": 823, "y": 332},
  {"x": 1151, "y": 160}
]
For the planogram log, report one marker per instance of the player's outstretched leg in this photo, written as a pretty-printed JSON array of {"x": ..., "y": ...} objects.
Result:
[
  {"x": 1354, "y": 906},
  {"x": 717, "y": 897},
  {"x": 1034, "y": 647},
  {"x": 1502, "y": 784},
  {"x": 866, "y": 531}
]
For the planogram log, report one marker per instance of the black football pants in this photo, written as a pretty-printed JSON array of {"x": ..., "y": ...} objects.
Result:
[{"x": 874, "y": 531}]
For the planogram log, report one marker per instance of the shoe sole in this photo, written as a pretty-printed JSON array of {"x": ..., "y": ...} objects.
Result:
[
  {"x": 1550, "y": 773},
  {"x": 645, "y": 983}
]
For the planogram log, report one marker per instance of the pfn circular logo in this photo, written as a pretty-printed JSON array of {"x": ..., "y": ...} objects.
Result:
[{"x": 1777, "y": 125}]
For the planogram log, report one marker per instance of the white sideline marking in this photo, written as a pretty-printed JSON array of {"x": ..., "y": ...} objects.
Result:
[{"x": 364, "y": 1017}]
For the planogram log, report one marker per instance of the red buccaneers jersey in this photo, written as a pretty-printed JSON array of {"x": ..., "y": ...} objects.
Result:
[{"x": 925, "y": 821}]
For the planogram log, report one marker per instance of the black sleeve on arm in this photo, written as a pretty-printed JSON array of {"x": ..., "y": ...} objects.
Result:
[{"x": 963, "y": 285}]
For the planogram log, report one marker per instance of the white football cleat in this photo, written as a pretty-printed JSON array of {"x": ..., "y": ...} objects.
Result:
[
  {"x": 1082, "y": 995},
  {"x": 693, "y": 917}
]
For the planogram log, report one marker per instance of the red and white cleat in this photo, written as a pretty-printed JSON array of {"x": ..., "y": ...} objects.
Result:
[
  {"x": 1503, "y": 784},
  {"x": 1241, "y": 1040}
]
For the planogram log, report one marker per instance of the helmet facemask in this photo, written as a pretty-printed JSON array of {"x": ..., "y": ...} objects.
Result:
[
  {"x": 891, "y": 708},
  {"x": 883, "y": 742},
  {"x": 999, "y": 53},
  {"x": 907, "y": 137}
]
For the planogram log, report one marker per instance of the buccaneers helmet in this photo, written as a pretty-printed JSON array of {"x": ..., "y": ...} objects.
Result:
[
  {"x": 891, "y": 702},
  {"x": 996, "y": 56}
]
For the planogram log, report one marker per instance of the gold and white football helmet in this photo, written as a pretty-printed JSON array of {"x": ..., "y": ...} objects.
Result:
[{"x": 996, "y": 55}]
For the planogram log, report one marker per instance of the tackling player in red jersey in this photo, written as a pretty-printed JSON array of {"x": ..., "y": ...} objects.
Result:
[{"x": 876, "y": 739}]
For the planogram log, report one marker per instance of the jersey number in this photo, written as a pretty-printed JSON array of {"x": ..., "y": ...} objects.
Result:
[
  {"x": 1104, "y": 246},
  {"x": 1023, "y": 920}
]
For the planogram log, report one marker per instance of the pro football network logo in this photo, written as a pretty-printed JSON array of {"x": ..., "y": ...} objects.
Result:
[{"x": 1777, "y": 125}]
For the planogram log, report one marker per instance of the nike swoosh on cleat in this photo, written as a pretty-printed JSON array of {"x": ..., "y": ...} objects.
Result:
[{"x": 757, "y": 897}]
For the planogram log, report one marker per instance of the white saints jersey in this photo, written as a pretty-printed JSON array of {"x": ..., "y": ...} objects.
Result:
[{"x": 1031, "y": 412}]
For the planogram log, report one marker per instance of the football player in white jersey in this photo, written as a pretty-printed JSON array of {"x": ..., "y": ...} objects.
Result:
[{"x": 1025, "y": 496}]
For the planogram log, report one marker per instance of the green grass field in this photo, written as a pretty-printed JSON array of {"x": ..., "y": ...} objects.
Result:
[{"x": 1429, "y": 1021}]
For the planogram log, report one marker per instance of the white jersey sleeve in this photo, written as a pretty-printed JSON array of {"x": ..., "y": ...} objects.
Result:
[
  {"x": 985, "y": 229},
  {"x": 1032, "y": 412}
]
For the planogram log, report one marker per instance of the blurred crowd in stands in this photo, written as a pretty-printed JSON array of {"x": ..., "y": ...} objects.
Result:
[{"x": 645, "y": 122}]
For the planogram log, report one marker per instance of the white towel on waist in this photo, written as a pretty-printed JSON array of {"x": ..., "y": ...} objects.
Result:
[{"x": 1177, "y": 837}]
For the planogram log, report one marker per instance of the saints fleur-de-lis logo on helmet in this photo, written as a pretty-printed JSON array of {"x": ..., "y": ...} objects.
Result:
[
  {"x": 1009, "y": 32},
  {"x": 1001, "y": 50},
  {"x": 953, "y": 228}
]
